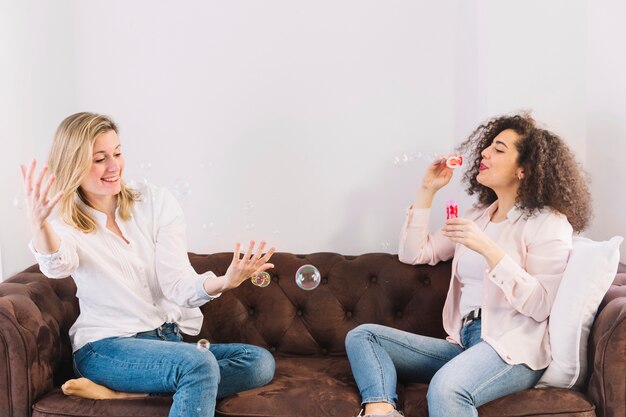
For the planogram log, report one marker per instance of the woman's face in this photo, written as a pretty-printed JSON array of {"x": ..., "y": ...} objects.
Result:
[
  {"x": 105, "y": 175},
  {"x": 499, "y": 169}
]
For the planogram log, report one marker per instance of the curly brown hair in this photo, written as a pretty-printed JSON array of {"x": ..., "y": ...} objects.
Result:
[{"x": 552, "y": 176}]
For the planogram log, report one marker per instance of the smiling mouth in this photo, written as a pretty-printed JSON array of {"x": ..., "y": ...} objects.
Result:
[{"x": 110, "y": 179}]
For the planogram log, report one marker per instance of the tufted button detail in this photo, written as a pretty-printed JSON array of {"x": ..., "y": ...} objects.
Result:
[
  {"x": 324, "y": 351},
  {"x": 272, "y": 349},
  {"x": 275, "y": 279},
  {"x": 251, "y": 311},
  {"x": 373, "y": 279},
  {"x": 348, "y": 314},
  {"x": 426, "y": 281},
  {"x": 324, "y": 280},
  {"x": 398, "y": 313},
  {"x": 299, "y": 312}
]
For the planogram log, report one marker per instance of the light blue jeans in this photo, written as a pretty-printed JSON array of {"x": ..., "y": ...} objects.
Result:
[
  {"x": 159, "y": 362},
  {"x": 460, "y": 378}
]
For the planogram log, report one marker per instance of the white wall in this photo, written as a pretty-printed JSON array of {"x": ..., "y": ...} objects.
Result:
[
  {"x": 284, "y": 118},
  {"x": 606, "y": 117},
  {"x": 36, "y": 92}
]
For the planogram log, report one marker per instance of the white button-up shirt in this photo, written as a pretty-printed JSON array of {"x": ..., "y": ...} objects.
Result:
[{"x": 126, "y": 288}]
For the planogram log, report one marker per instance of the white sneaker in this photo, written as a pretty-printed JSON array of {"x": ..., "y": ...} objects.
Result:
[{"x": 393, "y": 413}]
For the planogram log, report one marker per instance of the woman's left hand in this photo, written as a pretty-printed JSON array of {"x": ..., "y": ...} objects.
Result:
[
  {"x": 243, "y": 267},
  {"x": 467, "y": 233}
]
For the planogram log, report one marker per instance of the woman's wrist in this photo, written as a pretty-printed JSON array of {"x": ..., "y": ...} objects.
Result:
[
  {"x": 492, "y": 254},
  {"x": 424, "y": 198},
  {"x": 215, "y": 285}
]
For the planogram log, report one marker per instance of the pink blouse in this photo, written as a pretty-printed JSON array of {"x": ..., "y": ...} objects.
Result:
[{"x": 517, "y": 293}]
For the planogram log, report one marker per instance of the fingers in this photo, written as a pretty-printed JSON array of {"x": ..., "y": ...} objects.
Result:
[
  {"x": 37, "y": 184},
  {"x": 43, "y": 192},
  {"x": 28, "y": 177},
  {"x": 248, "y": 254},
  {"x": 268, "y": 255},
  {"x": 55, "y": 199},
  {"x": 236, "y": 252},
  {"x": 259, "y": 251}
]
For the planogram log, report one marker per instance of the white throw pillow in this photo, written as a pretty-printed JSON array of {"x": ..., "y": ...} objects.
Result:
[{"x": 588, "y": 275}]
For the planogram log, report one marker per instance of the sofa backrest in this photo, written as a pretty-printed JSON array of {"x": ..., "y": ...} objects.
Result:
[{"x": 370, "y": 288}]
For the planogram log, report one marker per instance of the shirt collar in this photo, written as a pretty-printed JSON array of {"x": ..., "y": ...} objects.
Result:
[{"x": 100, "y": 217}]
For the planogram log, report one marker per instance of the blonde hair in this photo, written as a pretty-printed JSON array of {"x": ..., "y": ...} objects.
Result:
[{"x": 70, "y": 161}]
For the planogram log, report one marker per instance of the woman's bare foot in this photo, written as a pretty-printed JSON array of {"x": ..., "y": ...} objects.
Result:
[{"x": 85, "y": 388}]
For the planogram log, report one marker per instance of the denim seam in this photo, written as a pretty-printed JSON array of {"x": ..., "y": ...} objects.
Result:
[
  {"x": 370, "y": 338},
  {"x": 489, "y": 381},
  {"x": 413, "y": 349}
]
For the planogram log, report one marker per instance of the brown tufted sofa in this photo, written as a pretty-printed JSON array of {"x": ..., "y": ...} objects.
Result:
[{"x": 305, "y": 331}]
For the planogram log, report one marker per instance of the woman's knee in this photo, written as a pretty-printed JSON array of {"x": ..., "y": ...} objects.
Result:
[
  {"x": 199, "y": 363},
  {"x": 444, "y": 387},
  {"x": 262, "y": 365},
  {"x": 360, "y": 333}
]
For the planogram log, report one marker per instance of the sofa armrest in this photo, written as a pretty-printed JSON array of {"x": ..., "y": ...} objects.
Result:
[
  {"x": 607, "y": 382},
  {"x": 32, "y": 321}
]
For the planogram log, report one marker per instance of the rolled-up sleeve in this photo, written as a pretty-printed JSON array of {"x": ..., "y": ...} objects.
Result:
[
  {"x": 417, "y": 246},
  {"x": 531, "y": 288},
  {"x": 59, "y": 264},
  {"x": 178, "y": 280}
]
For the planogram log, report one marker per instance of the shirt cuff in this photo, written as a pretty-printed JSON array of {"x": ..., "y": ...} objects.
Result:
[
  {"x": 417, "y": 216},
  {"x": 202, "y": 294},
  {"x": 503, "y": 275},
  {"x": 49, "y": 258}
]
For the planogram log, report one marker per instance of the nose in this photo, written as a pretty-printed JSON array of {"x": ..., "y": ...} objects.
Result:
[
  {"x": 112, "y": 165},
  {"x": 484, "y": 153}
]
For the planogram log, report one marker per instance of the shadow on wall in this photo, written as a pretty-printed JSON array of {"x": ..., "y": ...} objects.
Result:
[{"x": 606, "y": 168}]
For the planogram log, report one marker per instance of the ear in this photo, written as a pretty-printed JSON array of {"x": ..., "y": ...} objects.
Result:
[{"x": 520, "y": 173}]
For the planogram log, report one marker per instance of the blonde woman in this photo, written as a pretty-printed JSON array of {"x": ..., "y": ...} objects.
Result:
[{"x": 126, "y": 250}]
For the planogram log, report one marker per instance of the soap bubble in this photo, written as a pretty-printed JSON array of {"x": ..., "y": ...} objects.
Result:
[
  {"x": 250, "y": 226},
  {"x": 401, "y": 160},
  {"x": 206, "y": 166},
  {"x": 308, "y": 277},
  {"x": 384, "y": 245},
  {"x": 182, "y": 189},
  {"x": 203, "y": 344},
  {"x": 248, "y": 206},
  {"x": 19, "y": 202},
  {"x": 262, "y": 279},
  {"x": 207, "y": 226},
  {"x": 146, "y": 165}
]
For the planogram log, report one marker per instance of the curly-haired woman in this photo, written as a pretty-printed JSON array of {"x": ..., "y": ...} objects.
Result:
[{"x": 508, "y": 256}]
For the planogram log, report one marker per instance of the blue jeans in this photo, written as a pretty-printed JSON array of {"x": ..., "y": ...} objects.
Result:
[
  {"x": 461, "y": 378},
  {"x": 159, "y": 362}
]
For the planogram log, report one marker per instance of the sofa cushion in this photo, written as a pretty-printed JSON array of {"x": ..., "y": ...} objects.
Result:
[
  {"x": 57, "y": 404},
  {"x": 533, "y": 402},
  {"x": 589, "y": 273},
  {"x": 303, "y": 387}
]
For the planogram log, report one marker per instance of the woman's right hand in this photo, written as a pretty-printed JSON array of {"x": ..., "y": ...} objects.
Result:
[
  {"x": 437, "y": 175},
  {"x": 36, "y": 189}
]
